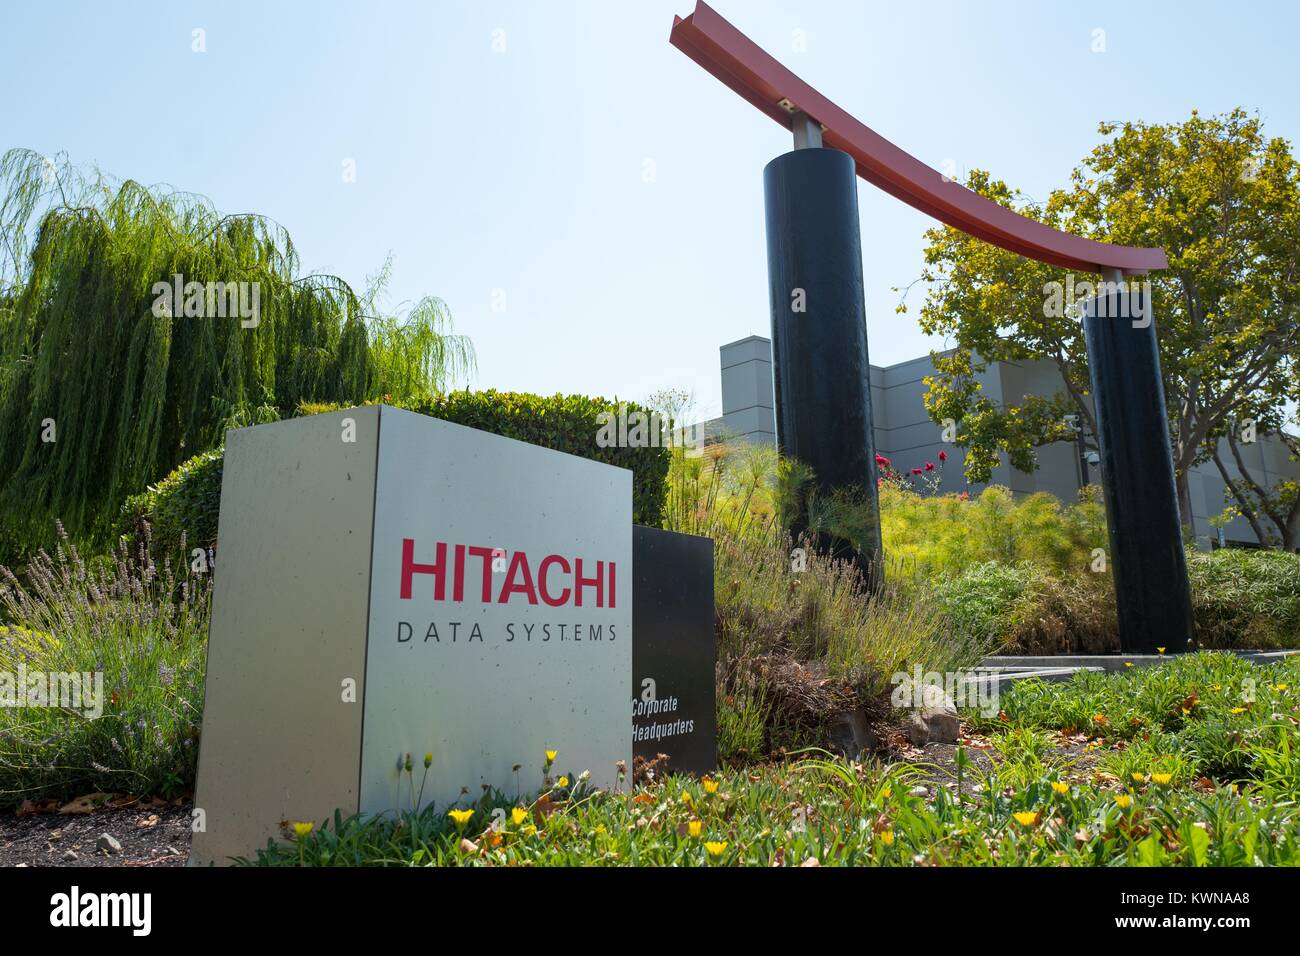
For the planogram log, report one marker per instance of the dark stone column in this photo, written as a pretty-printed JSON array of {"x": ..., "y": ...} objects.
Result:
[
  {"x": 819, "y": 333},
  {"x": 1137, "y": 473},
  {"x": 674, "y": 652}
]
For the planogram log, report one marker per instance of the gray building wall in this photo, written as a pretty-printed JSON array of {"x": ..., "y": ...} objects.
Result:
[
  {"x": 905, "y": 434},
  {"x": 748, "y": 408}
]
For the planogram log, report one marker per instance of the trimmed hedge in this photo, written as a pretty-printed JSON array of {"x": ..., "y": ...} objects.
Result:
[
  {"x": 565, "y": 423},
  {"x": 189, "y": 498}
]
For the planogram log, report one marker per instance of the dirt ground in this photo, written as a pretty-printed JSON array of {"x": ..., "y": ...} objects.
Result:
[
  {"x": 151, "y": 833},
  {"x": 939, "y": 761}
]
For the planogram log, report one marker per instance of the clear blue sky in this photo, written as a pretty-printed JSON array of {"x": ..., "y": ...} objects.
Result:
[{"x": 524, "y": 170}]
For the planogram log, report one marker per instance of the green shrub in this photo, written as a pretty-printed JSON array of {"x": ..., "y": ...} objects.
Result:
[
  {"x": 987, "y": 600},
  {"x": 1022, "y": 608},
  {"x": 186, "y": 501},
  {"x": 946, "y": 534},
  {"x": 1246, "y": 598},
  {"x": 1018, "y": 573}
]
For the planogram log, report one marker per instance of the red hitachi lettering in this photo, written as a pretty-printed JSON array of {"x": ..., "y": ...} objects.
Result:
[
  {"x": 518, "y": 563},
  {"x": 558, "y": 580},
  {"x": 579, "y": 582},
  {"x": 458, "y": 589},
  {"x": 437, "y": 569},
  {"x": 543, "y": 568},
  {"x": 486, "y": 555}
]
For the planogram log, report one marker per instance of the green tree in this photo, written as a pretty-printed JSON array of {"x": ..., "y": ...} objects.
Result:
[
  {"x": 1224, "y": 203},
  {"x": 106, "y": 385}
]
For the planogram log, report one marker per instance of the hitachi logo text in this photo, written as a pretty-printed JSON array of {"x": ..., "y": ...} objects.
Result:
[{"x": 558, "y": 582}]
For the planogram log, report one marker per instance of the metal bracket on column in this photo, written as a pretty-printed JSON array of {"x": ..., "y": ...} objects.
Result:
[
  {"x": 807, "y": 131},
  {"x": 1113, "y": 277}
]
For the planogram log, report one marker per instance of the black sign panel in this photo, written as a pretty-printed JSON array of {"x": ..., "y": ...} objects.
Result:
[{"x": 673, "y": 650}]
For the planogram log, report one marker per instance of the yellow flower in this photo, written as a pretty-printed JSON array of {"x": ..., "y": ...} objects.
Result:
[
  {"x": 686, "y": 798},
  {"x": 887, "y": 837},
  {"x": 1026, "y": 818},
  {"x": 710, "y": 786},
  {"x": 1162, "y": 778},
  {"x": 550, "y": 758},
  {"x": 1123, "y": 799},
  {"x": 695, "y": 828},
  {"x": 1060, "y": 787},
  {"x": 1237, "y": 710},
  {"x": 886, "y": 793},
  {"x": 460, "y": 817},
  {"x": 529, "y": 830},
  {"x": 1128, "y": 663},
  {"x": 715, "y": 849},
  {"x": 518, "y": 815},
  {"x": 428, "y": 760},
  {"x": 1281, "y": 686},
  {"x": 300, "y": 830},
  {"x": 564, "y": 781},
  {"x": 1138, "y": 777},
  {"x": 1160, "y": 649}
]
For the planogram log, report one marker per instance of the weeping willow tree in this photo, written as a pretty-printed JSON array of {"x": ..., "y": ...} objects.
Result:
[{"x": 103, "y": 390}]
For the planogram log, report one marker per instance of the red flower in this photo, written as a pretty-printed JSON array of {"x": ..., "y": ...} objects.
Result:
[
  {"x": 916, "y": 471},
  {"x": 943, "y": 456},
  {"x": 882, "y": 461},
  {"x": 929, "y": 466}
]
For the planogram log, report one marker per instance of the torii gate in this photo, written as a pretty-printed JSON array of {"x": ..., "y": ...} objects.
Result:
[{"x": 819, "y": 336}]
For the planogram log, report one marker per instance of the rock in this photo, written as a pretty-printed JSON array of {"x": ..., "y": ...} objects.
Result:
[
  {"x": 919, "y": 791},
  {"x": 107, "y": 843},
  {"x": 70, "y": 855},
  {"x": 850, "y": 734},
  {"x": 937, "y": 725}
]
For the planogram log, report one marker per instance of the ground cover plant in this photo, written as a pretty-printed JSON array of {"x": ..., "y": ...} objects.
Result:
[
  {"x": 1206, "y": 715},
  {"x": 1148, "y": 781}
]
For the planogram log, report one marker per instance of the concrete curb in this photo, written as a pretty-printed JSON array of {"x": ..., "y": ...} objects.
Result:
[{"x": 1109, "y": 662}]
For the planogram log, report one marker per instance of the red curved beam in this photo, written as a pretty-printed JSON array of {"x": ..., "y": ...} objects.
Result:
[{"x": 749, "y": 70}]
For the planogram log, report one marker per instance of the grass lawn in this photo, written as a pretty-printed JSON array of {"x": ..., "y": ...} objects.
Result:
[{"x": 1189, "y": 763}]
